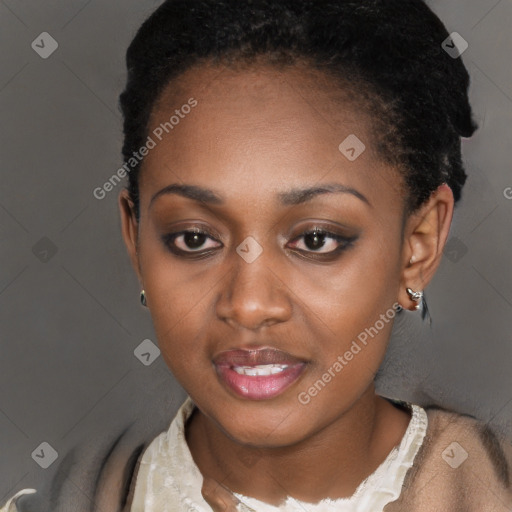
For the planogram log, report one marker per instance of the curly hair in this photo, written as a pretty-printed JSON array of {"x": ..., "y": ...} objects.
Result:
[{"x": 389, "y": 51}]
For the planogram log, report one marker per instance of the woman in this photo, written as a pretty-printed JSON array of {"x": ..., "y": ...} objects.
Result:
[{"x": 293, "y": 168}]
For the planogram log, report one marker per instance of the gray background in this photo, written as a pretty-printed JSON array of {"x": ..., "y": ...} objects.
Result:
[{"x": 70, "y": 321}]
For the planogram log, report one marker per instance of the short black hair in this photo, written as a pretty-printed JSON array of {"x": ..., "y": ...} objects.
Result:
[{"x": 391, "y": 49}]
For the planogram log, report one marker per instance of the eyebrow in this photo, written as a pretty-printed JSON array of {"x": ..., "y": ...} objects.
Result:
[{"x": 289, "y": 198}]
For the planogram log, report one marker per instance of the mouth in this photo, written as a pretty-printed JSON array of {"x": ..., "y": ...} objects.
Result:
[{"x": 258, "y": 374}]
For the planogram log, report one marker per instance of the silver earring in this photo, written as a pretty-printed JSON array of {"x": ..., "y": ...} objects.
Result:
[
  {"x": 416, "y": 297},
  {"x": 143, "y": 299}
]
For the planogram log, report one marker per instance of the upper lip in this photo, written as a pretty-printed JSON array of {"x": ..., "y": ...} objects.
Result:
[{"x": 254, "y": 357}]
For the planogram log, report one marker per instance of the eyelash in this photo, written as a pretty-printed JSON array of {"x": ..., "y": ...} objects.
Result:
[{"x": 344, "y": 241}]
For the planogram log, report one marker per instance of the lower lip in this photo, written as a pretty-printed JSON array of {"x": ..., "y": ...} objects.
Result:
[{"x": 259, "y": 387}]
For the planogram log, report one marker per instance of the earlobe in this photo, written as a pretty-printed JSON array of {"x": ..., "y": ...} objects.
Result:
[
  {"x": 129, "y": 229},
  {"x": 425, "y": 236}
]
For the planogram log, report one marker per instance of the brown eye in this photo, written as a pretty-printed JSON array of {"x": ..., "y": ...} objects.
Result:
[
  {"x": 190, "y": 241},
  {"x": 322, "y": 242},
  {"x": 193, "y": 240},
  {"x": 315, "y": 240}
]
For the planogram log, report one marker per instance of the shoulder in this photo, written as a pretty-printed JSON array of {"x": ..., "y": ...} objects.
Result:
[
  {"x": 463, "y": 464},
  {"x": 96, "y": 475},
  {"x": 463, "y": 437}
]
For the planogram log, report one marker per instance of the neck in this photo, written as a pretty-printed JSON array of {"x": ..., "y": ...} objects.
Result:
[{"x": 329, "y": 464}]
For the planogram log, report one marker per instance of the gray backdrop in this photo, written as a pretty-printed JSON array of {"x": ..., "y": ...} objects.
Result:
[{"x": 69, "y": 307}]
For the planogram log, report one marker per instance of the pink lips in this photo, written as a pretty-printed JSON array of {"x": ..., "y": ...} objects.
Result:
[{"x": 232, "y": 364}]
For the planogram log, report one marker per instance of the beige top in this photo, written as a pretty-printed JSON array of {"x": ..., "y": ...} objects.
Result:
[
  {"x": 168, "y": 479},
  {"x": 462, "y": 465}
]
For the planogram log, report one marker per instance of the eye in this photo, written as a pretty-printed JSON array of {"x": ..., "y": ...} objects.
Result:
[
  {"x": 321, "y": 241},
  {"x": 190, "y": 241},
  {"x": 199, "y": 242}
]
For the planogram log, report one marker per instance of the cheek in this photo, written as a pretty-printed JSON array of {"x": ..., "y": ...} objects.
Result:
[
  {"x": 348, "y": 295},
  {"x": 351, "y": 314},
  {"x": 179, "y": 302},
  {"x": 179, "y": 318}
]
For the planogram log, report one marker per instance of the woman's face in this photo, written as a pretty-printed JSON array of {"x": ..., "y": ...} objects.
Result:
[{"x": 256, "y": 139}]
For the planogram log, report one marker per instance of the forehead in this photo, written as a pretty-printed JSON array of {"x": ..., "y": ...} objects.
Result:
[
  {"x": 263, "y": 127},
  {"x": 254, "y": 94}
]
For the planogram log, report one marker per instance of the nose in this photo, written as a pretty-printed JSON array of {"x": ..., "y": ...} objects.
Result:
[{"x": 253, "y": 295}]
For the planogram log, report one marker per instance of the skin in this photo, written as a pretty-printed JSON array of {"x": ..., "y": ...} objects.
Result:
[{"x": 257, "y": 132}]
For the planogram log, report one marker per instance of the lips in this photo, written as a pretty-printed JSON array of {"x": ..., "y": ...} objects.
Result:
[
  {"x": 258, "y": 374},
  {"x": 252, "y": 357}
]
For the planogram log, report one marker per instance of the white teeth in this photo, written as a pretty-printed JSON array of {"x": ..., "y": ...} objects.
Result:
[{"x": 260, "y": 370}]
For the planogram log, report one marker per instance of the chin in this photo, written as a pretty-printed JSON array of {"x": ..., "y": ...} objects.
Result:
[{"x": 261, "y": 427}]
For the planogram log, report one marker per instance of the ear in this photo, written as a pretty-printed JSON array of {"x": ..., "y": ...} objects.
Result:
[
  {"x": 425, "y": 235},
  {"x": 130, "y": 229}
]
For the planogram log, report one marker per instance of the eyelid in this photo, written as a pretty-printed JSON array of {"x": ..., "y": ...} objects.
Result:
[
  {"x": 198, "y": 228},
  {"x": 338, "y": 230}
]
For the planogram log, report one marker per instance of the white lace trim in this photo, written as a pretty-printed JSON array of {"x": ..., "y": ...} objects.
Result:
[
  {"x": 169, "y": 480},
  {"x": 10, "y": 506},
  {"x": 377, "y": 490}
]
